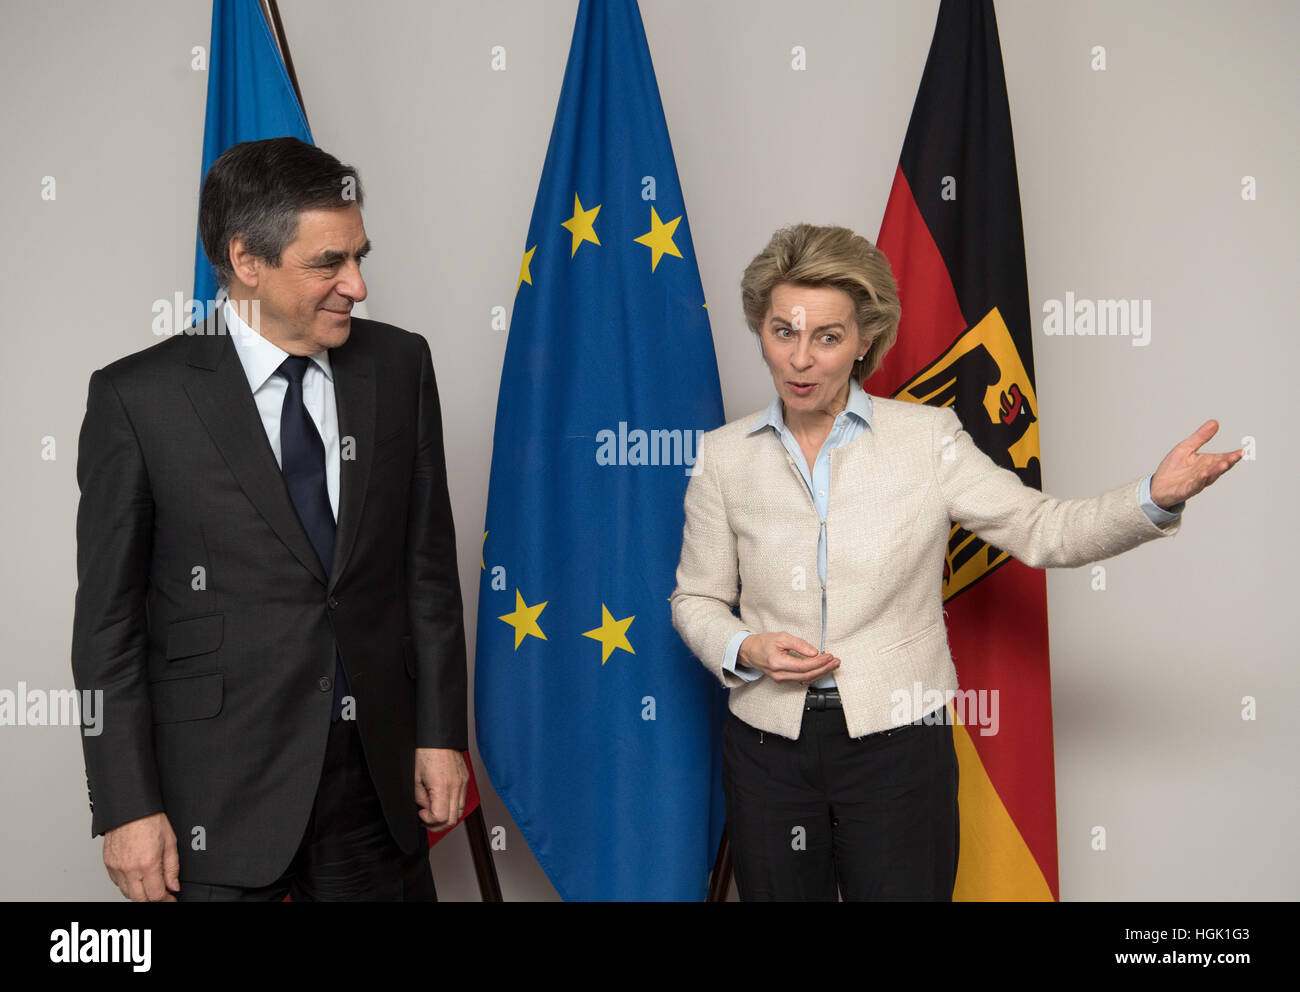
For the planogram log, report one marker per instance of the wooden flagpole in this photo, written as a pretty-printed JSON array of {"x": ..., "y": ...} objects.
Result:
[
  {"x": 271, "y": 10},
  {"x": 720, "y": 880}
]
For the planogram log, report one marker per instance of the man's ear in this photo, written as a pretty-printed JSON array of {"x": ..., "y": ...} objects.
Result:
[{"x": 246, "y": 265}]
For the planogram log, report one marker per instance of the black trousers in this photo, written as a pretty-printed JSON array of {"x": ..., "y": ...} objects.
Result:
[
  {"x": 827, "y": 815},
  {"x": 347, "y": 851}
]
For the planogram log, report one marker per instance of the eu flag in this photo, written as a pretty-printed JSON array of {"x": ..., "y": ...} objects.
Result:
[
  {"x": 598, "y": 728},
  {"x": 250, "y": 98}
]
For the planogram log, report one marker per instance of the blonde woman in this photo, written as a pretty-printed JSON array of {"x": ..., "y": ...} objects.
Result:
[{"x": 857, "y": 494}]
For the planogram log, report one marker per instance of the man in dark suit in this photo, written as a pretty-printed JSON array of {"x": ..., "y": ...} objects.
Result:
[{"x": 267, "y": 585}]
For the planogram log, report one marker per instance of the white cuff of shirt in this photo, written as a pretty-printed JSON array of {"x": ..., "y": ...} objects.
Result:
[
  {"x": 730, "y": 662},
  {"x": 1154, "y": 513}
]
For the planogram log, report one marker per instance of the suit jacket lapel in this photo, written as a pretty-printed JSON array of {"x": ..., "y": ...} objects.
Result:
[
  {"x": 354, "y": 395},
  {"x": 219, "y": 391}
]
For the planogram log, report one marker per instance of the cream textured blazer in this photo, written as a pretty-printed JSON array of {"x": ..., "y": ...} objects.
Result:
[{"x": 750, "y": 540}]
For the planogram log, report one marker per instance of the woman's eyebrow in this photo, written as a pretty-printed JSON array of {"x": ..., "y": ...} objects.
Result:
[{"x": 825, "y": 327}]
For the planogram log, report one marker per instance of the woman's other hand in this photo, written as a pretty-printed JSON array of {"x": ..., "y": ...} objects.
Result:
[{"x": 783, "y": 657}]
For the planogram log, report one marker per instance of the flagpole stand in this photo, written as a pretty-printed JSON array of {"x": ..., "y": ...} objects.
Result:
[
  {"x": 485, "y": 869},
  {"x": 720, "y": 880}
]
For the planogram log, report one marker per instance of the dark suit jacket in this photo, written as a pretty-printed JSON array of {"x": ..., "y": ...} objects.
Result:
[{"x": 205, "y": 617}]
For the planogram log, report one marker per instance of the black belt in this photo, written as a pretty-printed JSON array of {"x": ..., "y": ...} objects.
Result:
[{"x": 823, "y": 699}]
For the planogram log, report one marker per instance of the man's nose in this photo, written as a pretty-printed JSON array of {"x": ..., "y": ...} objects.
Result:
[{"x": 351, "y": 284}]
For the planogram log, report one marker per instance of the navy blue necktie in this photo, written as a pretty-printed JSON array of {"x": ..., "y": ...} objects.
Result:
[{"x": 302, "y": 460}]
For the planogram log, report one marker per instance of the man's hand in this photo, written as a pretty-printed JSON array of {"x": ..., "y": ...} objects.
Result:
[
  {"x": 1184, "y": 472},
  {"x": 783, "y": 657},
  {"x": 142, "y": 859},
  {"x": 440, "y": 782}
]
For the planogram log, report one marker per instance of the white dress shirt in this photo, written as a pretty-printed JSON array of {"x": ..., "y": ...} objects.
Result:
[{"x": 261, "y": 360}]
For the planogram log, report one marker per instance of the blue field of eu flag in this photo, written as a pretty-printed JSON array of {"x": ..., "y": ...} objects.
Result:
[
  {"x": 598, "y": 728},
  {"x": 250, "y": 98}
]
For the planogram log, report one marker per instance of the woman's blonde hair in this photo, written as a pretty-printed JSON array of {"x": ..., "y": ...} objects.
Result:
[{"x": 806, "y": 255}]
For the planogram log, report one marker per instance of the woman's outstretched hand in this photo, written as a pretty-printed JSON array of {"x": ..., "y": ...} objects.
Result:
[{"x": 1185, "y": 472}]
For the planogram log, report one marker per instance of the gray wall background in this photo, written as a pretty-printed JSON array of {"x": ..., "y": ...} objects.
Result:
[{"x": 1130, "y": 182}]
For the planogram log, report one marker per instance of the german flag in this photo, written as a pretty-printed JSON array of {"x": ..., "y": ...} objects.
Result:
[{"x": 953, "y": 235}]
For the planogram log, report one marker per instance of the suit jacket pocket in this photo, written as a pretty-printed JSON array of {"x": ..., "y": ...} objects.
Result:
[
  {"x": 194, "y": 697},
  {"x": 912, "y": 638},
  {"x": 197, "y": 635}
]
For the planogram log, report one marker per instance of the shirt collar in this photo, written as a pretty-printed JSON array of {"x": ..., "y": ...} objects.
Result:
[
  {"x": 260, "y": 358},
  {"x": 859, "y": 405}
]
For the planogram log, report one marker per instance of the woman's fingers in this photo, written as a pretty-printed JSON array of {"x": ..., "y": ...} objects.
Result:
[
  {"x": 788, "y": 667},
  {"x": 788, "y": 642}
]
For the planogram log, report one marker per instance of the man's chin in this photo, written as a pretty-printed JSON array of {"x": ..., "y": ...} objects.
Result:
[{"x": 334, "y": 330}]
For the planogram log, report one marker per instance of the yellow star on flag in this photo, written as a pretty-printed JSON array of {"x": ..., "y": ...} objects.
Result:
[
  {"x": 659, "y": 239},
  {"x": 524, "y": 275},
  {"x": 582, "y": 224},
  {"x": 611, "y": 633},
  {"x": 524, "y": 620}
]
